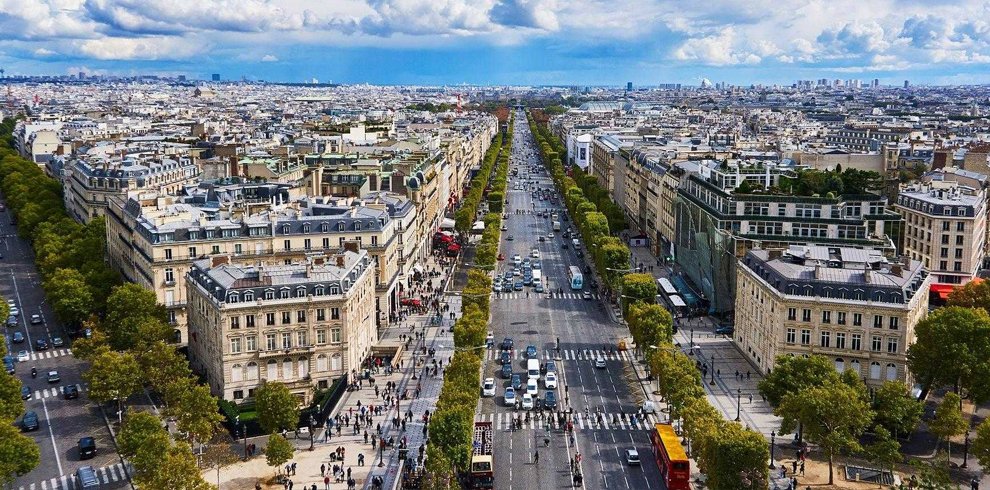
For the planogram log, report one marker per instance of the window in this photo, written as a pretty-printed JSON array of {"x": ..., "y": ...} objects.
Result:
[
  {"x": 894, "y": 322},
  {"x": 249, "y": 296},
  {"x": 840, "y": 365},
  {"x": 249, "y": 321},
  {"x": 841, "y": 318},
  {"x": 826, "y": 316},
  {"x": 858, "y": 319},
  {"x": 287, "y": 370},
  {"x": 235, "y": 345},
  {"x": 321, "y": 363},
  {"x": 271, "y": 370},
  {"x": 961, "y": 226},
  {"x": 301, "y": 316},
  {"x": 321, "y": 336},
  {"x": 874, "y": 370},
  {"x": 857, "y": 342},
  {"x": 269, "y": 294},
  {"x": 959, "y": 253},
  {"x": 877, "y": 321},
  {"x": 826, "y": 339},
  {"x": 875, "y": 346},
  {"x": 192, "y": 250},
  {"x": 238, "y": 249},
  {"x": 326, "y": 243},
  {"x": 945, "y": 226},
  {"x": 302, "y": 365},
  {"x": 301, "y": 292},
  {"x": 269, "y": 319},
  {"x": 252, "y": 371},
  {"x": 806, "y": 315},
  {"x": 892, "y": 345},
  {"x": 233, "y": 297},
  {"x": 168, "y": 254},
  {"x": 336, "y": 362},
  {"x": 270, "y": 342},
  {"x": 945, "y": 239},
  {"x": 792, "y": 314},
  {"x": 791, "y": 335},
  {"x": 303, "y": 338},
  {"x": 251, "y": 343},
  {"x": 957, "y": 266},
  {"x": 286, "y": 340},
  {"x": 335, "y": 335},
  {"x": 236, "y": 373},
  {"x": 891, "y": 372},
  {"x": 959, "y": 239},
  {"x": 235, "y": 322},
  {"x": 215, "y": 249},
  {"x": 321, "y": 313},
  {"x": 284, "y": 293},
  {"x": 169, "y": 275},
  {"x": 805, "y": 337},
  {"x": 307, "y": 244},
  {"x": 286, "y": 317},
  {"x": 335, "y": 313},
  {"x": 840, "y": 340},
  {"x": 287, "y": 244}
]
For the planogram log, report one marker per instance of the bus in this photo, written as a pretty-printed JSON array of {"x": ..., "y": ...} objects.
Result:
[
  {"x": 577, "y": 279},
  {"x": 664, "y": 284},
  {"x": 675, "y": 469},
  {"x": 674, "y": 304}
]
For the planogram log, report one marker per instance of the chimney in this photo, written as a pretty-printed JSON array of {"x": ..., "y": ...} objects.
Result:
[
  {"x": 896, "y": 270},
  {"x": 352, "y": 246},
  {"x": 340, "y": 261},
  {"x": 818, "y": 269},
  {"x": 319, "y": 260},
  {"x": 219, "y": 260},
  {"x": 866, "y": 274},
  {"x": 774, "y": 254}
]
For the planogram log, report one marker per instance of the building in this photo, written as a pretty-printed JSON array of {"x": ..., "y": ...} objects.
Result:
[
  {"x": 848, "y": 304},
  {"x": 945, "y": 227},
  {"x": 304, "y": 325},
  {"x": 215, "y": 77}
]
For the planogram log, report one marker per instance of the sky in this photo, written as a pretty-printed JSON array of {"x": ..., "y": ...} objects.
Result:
[{"x": 503, "y": 42}]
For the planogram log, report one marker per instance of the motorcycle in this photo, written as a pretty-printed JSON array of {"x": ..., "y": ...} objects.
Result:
[{"x": 34, "y": 372}]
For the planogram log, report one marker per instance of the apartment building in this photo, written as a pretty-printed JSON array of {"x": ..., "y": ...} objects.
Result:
[
  {"x": 89, "y": 186},
  {"x": 304, "y": 325},
  {"x": 945, "y": 227},
  {"x": 851, "y": 305},
  {"x": 153, "y": 240}
]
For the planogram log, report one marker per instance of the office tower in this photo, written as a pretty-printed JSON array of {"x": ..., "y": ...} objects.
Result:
[{"x": 216, "y": 77}]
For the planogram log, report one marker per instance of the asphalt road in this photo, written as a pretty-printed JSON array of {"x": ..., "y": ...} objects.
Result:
[
  {"x": 62, "y": 422},
  {"x": 584, "y": 330}
]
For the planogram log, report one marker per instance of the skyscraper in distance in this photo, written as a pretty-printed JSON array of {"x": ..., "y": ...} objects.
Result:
[
  {"x": 216, "y": 77},
  {"x": 628, "y": 86}
]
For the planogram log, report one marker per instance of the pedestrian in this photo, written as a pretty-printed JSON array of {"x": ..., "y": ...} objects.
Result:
[
  {"x": 290, "y": 484},
  {"x": 751, "y": 398},
  {"x": 293, "y": 469},
  {"x": 323, "y": 469},
  {"x": 794, "y": 465},
  {"x": 802, "y": 467},
  {"x": 326, "y": 483},
  {"x": 794, "y": 482},
  {"x": 348, "y": 472}
]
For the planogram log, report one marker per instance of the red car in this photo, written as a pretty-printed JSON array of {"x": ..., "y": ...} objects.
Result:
[
  {"x": 409, "y": 302},
  {"x": 501, "y": 257}
]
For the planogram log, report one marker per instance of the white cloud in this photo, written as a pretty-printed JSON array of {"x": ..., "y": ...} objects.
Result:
[
  {"x": 42, "y": 52},
  {"x": 143, "y": 48},
  {"x": 269, "y": 58}
]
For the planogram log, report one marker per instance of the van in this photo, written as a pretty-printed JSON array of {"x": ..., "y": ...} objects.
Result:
[
  {"x": 577, "y": 243},
  {"x": 86, "y": 478},
  {"x": 533, "y": 369}
]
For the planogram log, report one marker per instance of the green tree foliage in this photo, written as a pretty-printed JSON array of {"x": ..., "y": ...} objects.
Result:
[
  {"x": 974, "y": 294},
  {"x": 11, "y": 405},
  {"x": 161, "y": 364},
  {"x": 113, "y": 376},
  {"x": 139, "y": 429},
  {"x": 175, "y": 469},
  {"x": 194, "y": 409},
  {"x": 832, "y": 416},
  {"x": 278, "y": 452},
  {"x": 885, "y": 451},
  {"x": 650, "y": 324},
  {"x": 677, "y": 377},
  {"x": 18, "y": 453},
  {"x": 134, "y": 318},
  {"x": 897, "y": 411},
  {"x": 88, "y": 348},
  {"x": 278, "y": 408},
  {"x": 793, "y": 374},
  {"x": 637, "y": 288},
  {"x": 70, "y": 295},
  {"x": 948, "y": 421},
  {"x": 736, "y": 459},
  {"x": 981, "y": 445},
  {"x": 952, "y": 347}
]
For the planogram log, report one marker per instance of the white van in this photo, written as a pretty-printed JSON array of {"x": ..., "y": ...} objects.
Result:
[
  {"x": 537, "y": 277},
  {"x": 577, "y": 243},
  {"x": 533, "y": 369}
]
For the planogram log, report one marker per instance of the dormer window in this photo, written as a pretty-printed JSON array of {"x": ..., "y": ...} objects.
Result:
[
  {"x": 306, "y": 228},
  {"x": 301, "y": 292},
  {"x": 340, "y": 226},
  {"x": 284, "y": 293},
  {"x": 269, "y": 294},
  {"x": 249, "y": 296},
  {"x": 232, "y": 297},
  {"x": 357, "y": 226},
  {"x": 320, "y": 290},
  {"x": 285, "y": 229},
  {"x": 324, "y": 227}
]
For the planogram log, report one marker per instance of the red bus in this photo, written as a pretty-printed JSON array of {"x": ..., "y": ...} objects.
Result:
[{"x": 675, "y": 469}]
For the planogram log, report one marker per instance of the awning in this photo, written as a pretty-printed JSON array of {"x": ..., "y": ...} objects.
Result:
[
  {"x": 418, "y": 268},
  {"x": 942, "y": 290},
  {"x": 447, "y": 224}
]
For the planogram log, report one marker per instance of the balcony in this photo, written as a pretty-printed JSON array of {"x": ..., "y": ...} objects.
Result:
[{"x": 264, "y": 354}]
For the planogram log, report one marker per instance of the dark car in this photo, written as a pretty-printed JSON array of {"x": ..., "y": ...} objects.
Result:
[
  {"x": 507, "y": 343},
  {"x": 519, "y": 286},
  {"x": 87, "y": 448},
  {"x": 505, "y": 358},
  {"x": 53, "y": 377},
  {"x": 725, "y": 330},
  {"x": 507, "y": 371},
  {"x": 41, "y": 344},
  {"x": 25, "y": 393},
  {"x": 550, "y": 400},
  {"x": 71, "y": 392},
  {"x": 29, "y": 422},
  {"x": 11, "y": 321},
  {"x": 531, "y": 352},
  {"x": 17, "y": 338},
  {"x": 8, "y": 365}
]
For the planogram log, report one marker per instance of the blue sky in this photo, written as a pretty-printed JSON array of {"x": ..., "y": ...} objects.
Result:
[{"x": 525, "y": 42}]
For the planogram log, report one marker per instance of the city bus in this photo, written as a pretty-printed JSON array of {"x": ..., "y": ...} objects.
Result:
[
  {"x": 577, "y": 279},
  {"x": 675, "y": 469},
  {"x": 667, "y": 287}
]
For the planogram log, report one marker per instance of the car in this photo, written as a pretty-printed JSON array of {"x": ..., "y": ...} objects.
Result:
[
  {"x": 87, "y": 447},
  {"x": 542, "y": 239},
  {"x": 551, "y": 367},
  {"x": 25, "y": 393},
  {"x": 516, "y": 259},
  {"x": 550, "y": 235},
  {"x": 17, "y": 338},
  {"x": 53, "y": 377},
  {"x": 563, "y": 244},
  {"x": 535, "y": 254},
  {"x": 8, "y": 365},
  {"x": 531, "y": 352},
  {"x": 509, "y": 397},
  {"x": 517, "y": 382},
  {"x": 550, "y": 400},
  {"x": 14, "y": 311},
  {"x": 36, "y": 319},
  {"x": 537, "y": 265},
  {"x": 527, "y": 402},
  {"x": 71, "y": 392},
  {"x": 11, "y": 321},
  {"x": 506, "y": 371},
  {"x": 505, "y": 228},
  {"x": 531, "y": 387},
  {"x": 507, "y": 287},
  {"x": 600, "y": 362},
  {"x": 586, "y": 295},
  {"x": 632, "y": 457},
  {"x": 488, "y": 388},
  {"x": 539, "y": 288},
  {"x": 57, "y": 342},
  {"x": 496, "y": 285},
  {"x": 41, "y": 344},
  {"x": 507, "y": 343},
  {"x": 527, "y": 280},
  {"x": 23, "y": 356},
  {"x": 519, "y": 286},
  {"x": 504, "y": 358},
  {"x": 649, "y": 407},
  {"x": 29, "y": 422},
  {"x": 507, "y": 275},
  {"x": 510, "y": 238},
  {"x": 725, "y": 330}
]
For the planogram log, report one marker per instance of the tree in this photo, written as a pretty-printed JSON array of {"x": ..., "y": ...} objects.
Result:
[
  {"x": 136, "y": 431},
  {"x": 981, "y": 445},
  {"x": 794, "y": 373},
  {"x": 974, "y": 294},
  {"x": 736, "y": 458},
  {"x": 176, "y": 468},
  {"x": 113, "y": 376},
  {"x": 194, "y": 409},
  {"x": 948, "y": 421},
  {"x": 219, "y": 454},
  {"x": 162, "y": 364},
  {"x": 18, "y": 453},
  {"x": 88, "y": 348},
  {"x": 278, "y": 408},
  {"x": 637, "y": 287},
  {"x": 885, "y": 451},
  {"x": 700, "y": 422},
  {"x": 650, "y": 324},
  {"x": 832, "y": 416},
  {"x": 897, "y": 411},
  {"x": 278, "y": 452},
  {"x": 951, "y": 348},
  {"x": 70, "y": 296},
  {"x": 11, "y": 404},
  {"x": 134, "y": 317},
  {"x": 678, "y": 378}
]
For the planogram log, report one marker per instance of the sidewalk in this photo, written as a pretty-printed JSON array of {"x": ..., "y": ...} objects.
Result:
[{"x": 244, "y": 475}]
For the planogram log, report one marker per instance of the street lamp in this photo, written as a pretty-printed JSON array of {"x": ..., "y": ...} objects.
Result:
[
  {"x": 237, "y": 421},
  {"x": 312, "y": 424},
  {"x": 738, "y": 403},
  {"x": 773, "y": 436},
  {"x": 712, "y": 382},
  {"x": 691, "y": 352}
]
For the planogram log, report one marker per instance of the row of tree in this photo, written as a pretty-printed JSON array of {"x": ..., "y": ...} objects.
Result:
[
  {"x": 18, "y": 453},
  {"x": 452, "y": 423},
  {"x": 466, "y": 215}
]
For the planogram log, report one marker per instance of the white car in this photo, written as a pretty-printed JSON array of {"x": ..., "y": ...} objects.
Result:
[
  {"x": 550, "y": 381},
  {"x": 516, "y": 259},
  {"x": 527, "y": 402},
  {"x": 531, "y": 387},
  {"x": 489, "y": 387},
  {"x": 36, "y": 319},
  {"x": 14, "y": 311},
  {"x": 600, "y": 362},
  {"x": 549, "y": 235},
  {"x": 632, "y": 457},
  {"x": 510, "y": 397},
  {"x": 535, "y": 254},
  {"x": 23, "y": 356}
]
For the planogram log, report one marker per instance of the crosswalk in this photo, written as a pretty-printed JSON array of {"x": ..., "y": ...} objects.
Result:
[
  {"x": 582, "y": 421},
  {"x": 49, "y": 354},
  {"x": 55, "y": 391},
  {"x": 106, "y": 474},
  {"x": 566, "y": 355},
  {"x": 534, "y": 295}
]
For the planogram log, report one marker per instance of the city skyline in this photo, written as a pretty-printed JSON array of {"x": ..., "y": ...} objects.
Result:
[{"x": 502, "y": 42}]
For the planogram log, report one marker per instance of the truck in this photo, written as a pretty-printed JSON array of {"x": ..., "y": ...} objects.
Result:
[
  {"x": 556, "y": 226},
  {"x": 482, "y": 473}
]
